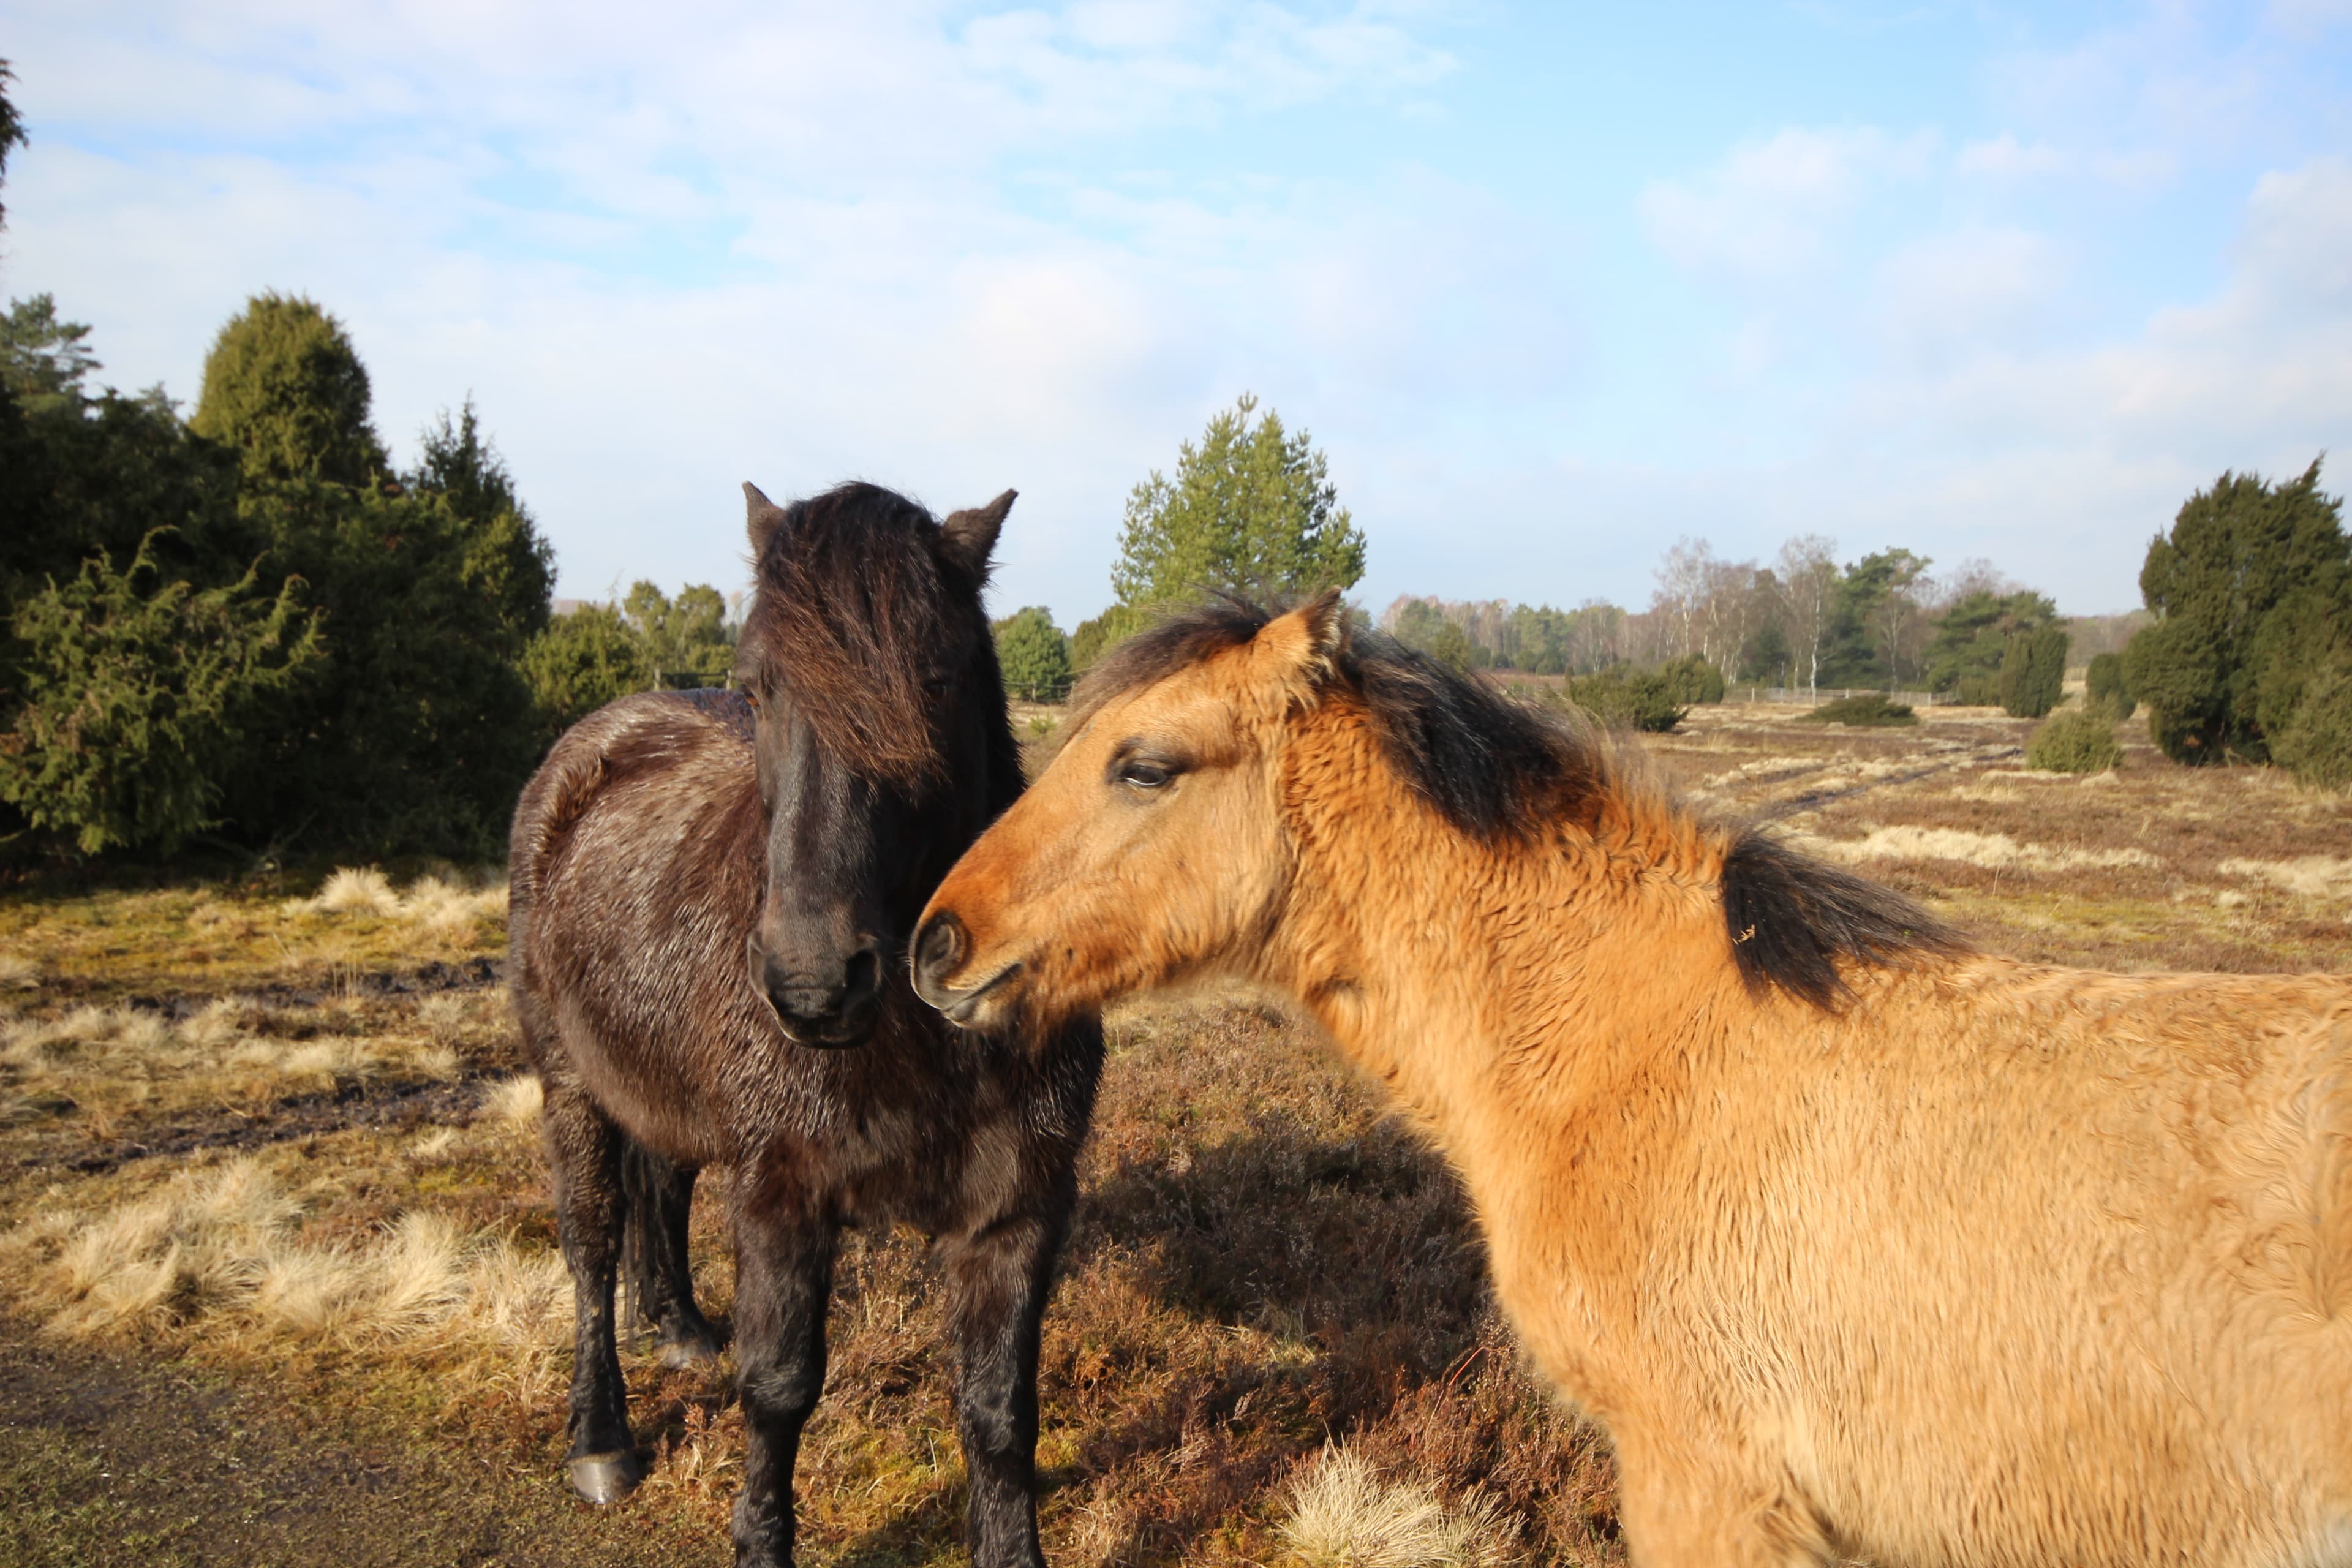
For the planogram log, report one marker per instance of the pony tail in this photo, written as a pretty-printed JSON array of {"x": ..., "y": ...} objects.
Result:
[{"x": 644, "y": 1176}]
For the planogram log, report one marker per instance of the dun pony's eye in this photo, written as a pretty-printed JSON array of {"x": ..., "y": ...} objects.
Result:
[{"x": 1145, "y": 774}]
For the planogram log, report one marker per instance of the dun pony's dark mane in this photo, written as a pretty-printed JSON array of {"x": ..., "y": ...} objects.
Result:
[
  {"x": 1495, "y": 768},
  {"x": 855, "y": 613}
]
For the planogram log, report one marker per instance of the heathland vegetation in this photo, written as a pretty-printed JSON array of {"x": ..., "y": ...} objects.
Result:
[{"x": 273, "y": 1125}]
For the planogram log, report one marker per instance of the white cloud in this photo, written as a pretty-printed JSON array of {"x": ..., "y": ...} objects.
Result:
[
  {"x": 2004, "y": 157},
  {"x": 1773, "y": 207},
  {"x": 2060, "y": 458},
  {"x": 1967, "y": 291},
  {"x": 779, "y": 243}
]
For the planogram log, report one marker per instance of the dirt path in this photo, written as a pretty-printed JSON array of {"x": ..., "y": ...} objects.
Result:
[{"x": 110, "y": 1461}]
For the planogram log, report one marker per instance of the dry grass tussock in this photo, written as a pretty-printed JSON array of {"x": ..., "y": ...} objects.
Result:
[
  {"x": 2306, "y": 875},
  {"x": 81, "y": 944},
  {"x": 1343, "y": 1515},
  {"x": 449, "y": 902},
  {"x": 1904, "y": 842},
  {"x": 514, "y": 1103},
  {"x": 106, "y": 1063},
  {"x": 218, "y": 1249}
]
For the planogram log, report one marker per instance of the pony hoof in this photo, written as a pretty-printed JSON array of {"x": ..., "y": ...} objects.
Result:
[
  {"x": 696, "y": 1351},
  {"x": 606, "y": 1477}
]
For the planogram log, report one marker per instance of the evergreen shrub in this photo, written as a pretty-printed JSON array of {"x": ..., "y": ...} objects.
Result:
[
  {"x": 2034, "y": 673},
  {"x": 1863, "y": 710},
  {"x": 1693, "y": 679},
  {"x": 1034, "y": 656},
  {"x": 2074, "y": 741},
  {"x": 2315, "y": 745},
  {"x": 2109, "y": 688},
  {"x": 1628, "y": 700}
]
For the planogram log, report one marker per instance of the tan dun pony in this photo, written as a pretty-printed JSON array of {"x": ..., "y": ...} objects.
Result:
[{"x": 1864, "y": 1247}]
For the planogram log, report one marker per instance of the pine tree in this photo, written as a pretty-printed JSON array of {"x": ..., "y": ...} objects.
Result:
[
  {"x": 1971, "y": 638},
  {"x": 1251, "y": 509}
]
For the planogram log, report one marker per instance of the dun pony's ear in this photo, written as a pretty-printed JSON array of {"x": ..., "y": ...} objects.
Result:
[
  {"x": 970, "y": 535},
  {"x": 1302, "y": 646},
  {"x": 763, "y": 517}
]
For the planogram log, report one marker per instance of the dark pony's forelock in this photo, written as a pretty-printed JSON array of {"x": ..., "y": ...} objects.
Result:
[
  {"x": 1498, "y": 769},
  {"x": 855, "y": 613}
]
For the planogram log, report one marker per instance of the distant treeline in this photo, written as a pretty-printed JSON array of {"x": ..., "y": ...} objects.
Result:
[
  {"x": 2243, "y": 650},
  {"x": 1803, "y": 622}
]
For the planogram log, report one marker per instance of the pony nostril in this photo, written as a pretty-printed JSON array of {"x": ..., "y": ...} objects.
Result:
[
  {"x": 940, "y": 946},
  {"x": 863, "y": 980}
]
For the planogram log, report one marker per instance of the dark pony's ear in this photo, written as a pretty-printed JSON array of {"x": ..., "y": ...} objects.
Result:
[
  {"x": 761, "y": 520},
  {"x": 970, "y": 535}
]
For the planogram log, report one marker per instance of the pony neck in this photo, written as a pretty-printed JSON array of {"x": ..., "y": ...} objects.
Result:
[{"x": 1483, "y": 980}]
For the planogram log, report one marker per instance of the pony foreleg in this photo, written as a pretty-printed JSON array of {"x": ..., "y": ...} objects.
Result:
[
  {"x": 783, "y": 1263},
  {"x": 585, "y": 1149},
  {"x": 1680, "y": 1511},
  {"x": 998, "y": 1279},
  {"x": 660, "y": 1276}
]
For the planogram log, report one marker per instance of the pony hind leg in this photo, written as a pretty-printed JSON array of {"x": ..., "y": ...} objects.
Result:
[
  {"x": 584, "y": 1150},
  {"x": 655, "y": 1266},
  {"x": 784, "y": 1279}
]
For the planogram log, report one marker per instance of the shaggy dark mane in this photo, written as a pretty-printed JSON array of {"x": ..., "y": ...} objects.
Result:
[
  {"x": 855, "y": 613},
  {"x": 1794, "y": 919},
  {"x": 1497, "y": 768}
]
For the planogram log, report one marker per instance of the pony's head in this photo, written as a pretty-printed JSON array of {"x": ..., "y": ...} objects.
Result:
[
  {"x": 879, "y": 733},
  {"x": 1149, "y": 847},
  {"x": 1205, "y": 757}
]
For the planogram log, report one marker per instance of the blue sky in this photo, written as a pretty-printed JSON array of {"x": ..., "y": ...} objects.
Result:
[{"x": 1553, "y": 285}]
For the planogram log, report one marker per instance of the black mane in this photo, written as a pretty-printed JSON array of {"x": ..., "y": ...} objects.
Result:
[{"x": 1496, "y": 769}]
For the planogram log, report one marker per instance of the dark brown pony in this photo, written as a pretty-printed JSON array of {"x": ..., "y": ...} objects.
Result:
[{"x": 712, "y": 893}]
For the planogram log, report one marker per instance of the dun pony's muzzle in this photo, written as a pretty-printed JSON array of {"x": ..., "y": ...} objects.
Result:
[{"x": 941, "y": 945}]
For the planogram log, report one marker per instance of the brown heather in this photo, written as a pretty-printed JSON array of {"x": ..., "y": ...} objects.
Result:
[{"x": 1263, "y": 1265}]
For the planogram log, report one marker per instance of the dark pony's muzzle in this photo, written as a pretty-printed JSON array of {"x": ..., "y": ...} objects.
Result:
[{"x": 826, "y": 1003}]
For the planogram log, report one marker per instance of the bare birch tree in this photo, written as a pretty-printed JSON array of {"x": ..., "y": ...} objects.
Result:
[{"x": 1809, "y": 576}]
